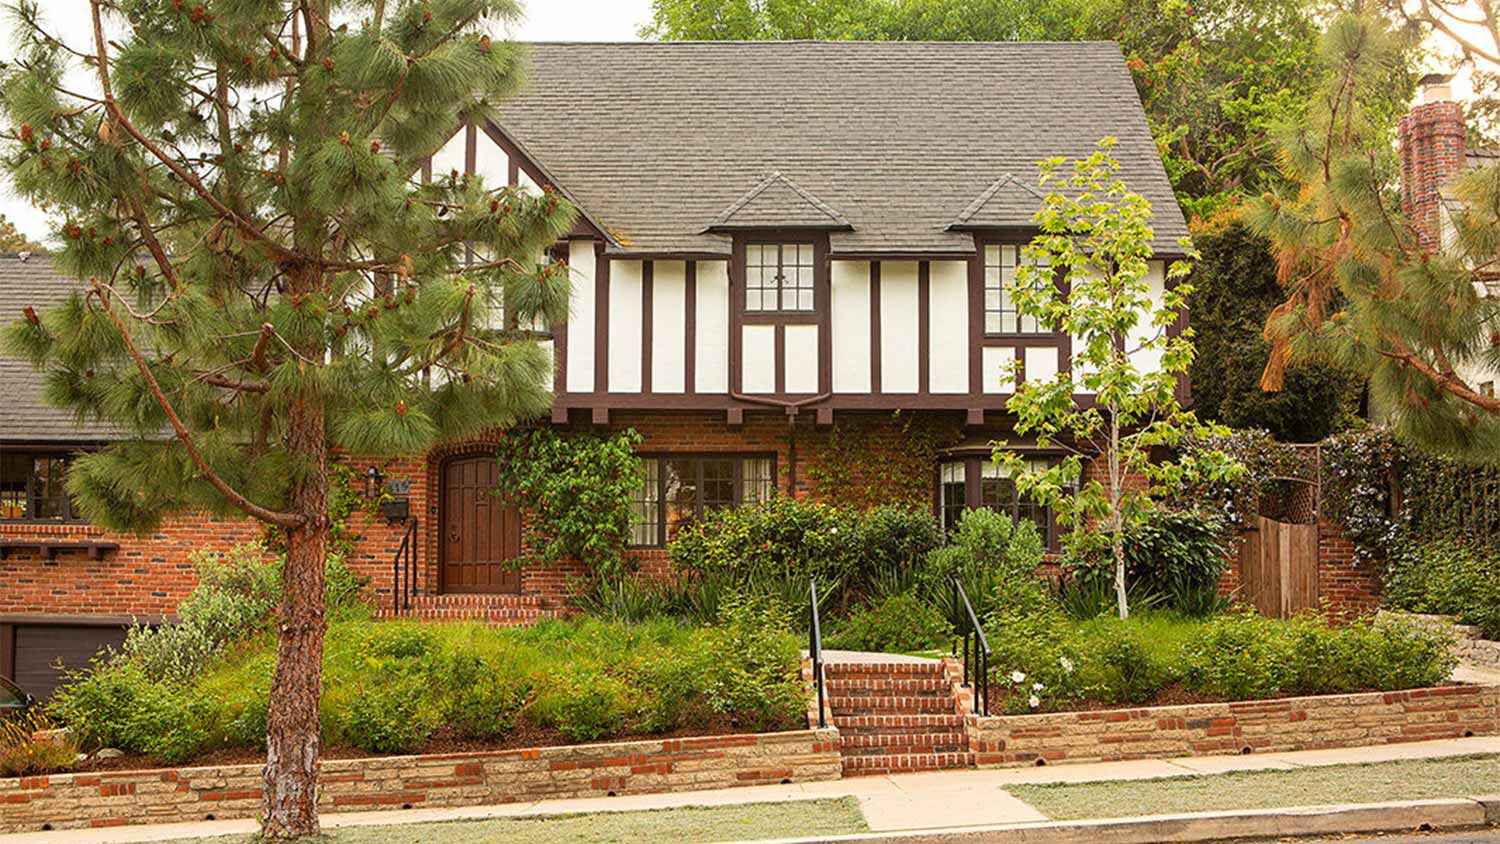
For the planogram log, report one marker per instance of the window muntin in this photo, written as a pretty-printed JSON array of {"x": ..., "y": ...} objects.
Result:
[
  {"x": 32, "y": 487},
  {"x": 1000, "y": 314},
  {"x": 675, "y": 491},
  {"x": 778, "y": 277}
]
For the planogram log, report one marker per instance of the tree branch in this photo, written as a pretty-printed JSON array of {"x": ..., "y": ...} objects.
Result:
[{"x": 280, "y": 519}]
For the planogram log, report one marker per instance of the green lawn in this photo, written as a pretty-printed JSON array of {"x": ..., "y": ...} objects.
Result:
[
  {"x": 746, "y": 822},
  {"x": 1423, "y": 779}
]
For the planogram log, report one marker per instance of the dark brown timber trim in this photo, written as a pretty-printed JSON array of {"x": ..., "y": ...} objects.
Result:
[
  {"x": 874, "y": 326},
  {"x": 924, "y": 326},
  {"x": 780, "y": 343},
  {"x": 976, "y": 321},
  {"x": 601, "y": 319},
  {"x": 823, "y": 303},
  {"x": 648, "y": 328},
  {"x": 690, "y": 327},
  {"x": 736, "y": 317}
]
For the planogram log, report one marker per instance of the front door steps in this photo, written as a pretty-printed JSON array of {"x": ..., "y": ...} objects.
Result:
[
  {"x": 894, "y": 714},
  {"x": 499, "y": 610}
]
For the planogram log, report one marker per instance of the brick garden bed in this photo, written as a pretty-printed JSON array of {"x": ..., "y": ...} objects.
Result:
[
  {"x": 168, "y": 795},
  {"x": 1205, "y": 729}
]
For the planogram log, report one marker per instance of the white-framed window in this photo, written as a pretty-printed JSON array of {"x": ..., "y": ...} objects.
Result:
[
  {"x": 1000, "y": 314},
  {"x": 779, "y": 277},
  {"x": 677, "y": 490}
]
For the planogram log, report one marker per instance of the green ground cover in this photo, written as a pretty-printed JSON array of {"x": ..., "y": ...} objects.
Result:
[
  {"x": 1422, "y": 779},
  {"x": 747, "y": 822}
]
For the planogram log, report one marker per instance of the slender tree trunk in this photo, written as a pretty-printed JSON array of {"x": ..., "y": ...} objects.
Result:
[
  {"x": 292, "y": 740},
  {"x": 1116, "y": 520}
]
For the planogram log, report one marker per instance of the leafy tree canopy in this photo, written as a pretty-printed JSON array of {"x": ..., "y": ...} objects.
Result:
[{"x": 13, "y": 239}]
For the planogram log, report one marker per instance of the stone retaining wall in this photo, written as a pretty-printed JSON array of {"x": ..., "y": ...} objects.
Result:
[
  {"x": 1304, "y": 723},
  {"x": 1469, "y": 643},
  {"x": 116, "y": 798}
]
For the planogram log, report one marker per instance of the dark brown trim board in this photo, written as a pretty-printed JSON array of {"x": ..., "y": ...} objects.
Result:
[
  {"x": 823, "y": 293},
  {"x": 924, "y": 327},
  {"x": 690, "y": 327},
  {"x": 736, "y": 317},
  {"x": 601, "y": 319},
  {"x": 976, "y": 321},
  {"x": 648, "y": 321},
  {"x": 780, "y": 345},
  {"x": 875, "y": 327}
]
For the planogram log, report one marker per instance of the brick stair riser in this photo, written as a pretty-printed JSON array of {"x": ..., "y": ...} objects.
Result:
[
  {"x": 899, "y": 745},
  {"x": 871, "y": 705},
  {"x": 908, "y": 687},
  {"x": 877, "y": 673},
  {"x": 903, "y": 763},
  {"x": 929, "y": 722}
]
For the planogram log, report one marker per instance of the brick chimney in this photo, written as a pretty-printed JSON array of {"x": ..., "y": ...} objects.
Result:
[{"x": 1431, "y": 135}]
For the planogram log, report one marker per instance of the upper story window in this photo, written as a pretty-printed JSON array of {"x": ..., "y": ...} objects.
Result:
[
  {"x": 1000, "y": 314},
  {"x": 778, "y": 277},
  {"x": 676, "y": 491},
  {"x": 31, "y": 487}
]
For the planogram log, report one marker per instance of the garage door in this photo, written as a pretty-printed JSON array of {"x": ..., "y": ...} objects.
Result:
[{"x": 44, "y": 653}]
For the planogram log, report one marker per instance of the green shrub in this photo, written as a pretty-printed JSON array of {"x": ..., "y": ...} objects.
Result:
[
  {"x": 400, "y": 641},
  {"x": 989, "y": 553},
  {"x": 901, "y": 623},
  {"x": 586, "y": 705},
  {"x": 388, "y": 715},
  {"x": 24, "y": 753},
  {"x": 117, "y": 705},
  {"x": 772, "y": 541},
  {"x": 1177, "y": 555},
  {"x": 483, "y": 697},
  {"x": 1240, "y": 656},
  {"x": 1448, "y": 577},
  {"x": 893, "y": 542},
  {"x": 624, "y": 597},
  {"x": 1132, "y": 673},
  {"x": 757, "y": 664}
]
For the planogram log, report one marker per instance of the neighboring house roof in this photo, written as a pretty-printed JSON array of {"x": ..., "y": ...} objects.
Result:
[
  {"x": 30, "y": 280},
  {"x": 657, "y": 140}
]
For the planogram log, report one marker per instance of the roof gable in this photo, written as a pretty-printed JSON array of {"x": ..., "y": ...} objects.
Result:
[
  {"x": 778, "y": 202},
  {"x": 1005, "y": 202}
]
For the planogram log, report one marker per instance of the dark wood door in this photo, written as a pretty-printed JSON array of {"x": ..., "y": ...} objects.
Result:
[{"x": 481, "y": 534}]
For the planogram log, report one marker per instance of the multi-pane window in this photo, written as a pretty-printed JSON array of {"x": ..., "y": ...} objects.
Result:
[
  {"x": 31, "y": 487},
  {"x": 1000, "y": 314},
  {"x": 980, "y": 482},
  {"x": 676, "y": 491},
  {"x": 778, "y": 277},
  {"x": 952, "y": 493}
]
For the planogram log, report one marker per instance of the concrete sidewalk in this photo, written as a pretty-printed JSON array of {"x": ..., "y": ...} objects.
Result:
[{"x": 926, "y": 801}]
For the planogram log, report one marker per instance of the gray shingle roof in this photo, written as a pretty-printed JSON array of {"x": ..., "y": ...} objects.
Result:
[
  {"x": 778, "y": 201},
  {"x": 24, "y": 416},
  {"x": 657, "y": 140}
]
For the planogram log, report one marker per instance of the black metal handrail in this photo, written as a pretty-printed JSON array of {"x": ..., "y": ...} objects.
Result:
[
  {"x": 815, "y": 648},
  {"x": 403, "y": 569},
  {"x": 976, "y": 677}
]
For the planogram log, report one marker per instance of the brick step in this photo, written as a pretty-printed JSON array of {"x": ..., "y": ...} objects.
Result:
[
  {"x": 902, "y": 743},
  {"x": 903, "y": 763},
  {"x": 906, "y": 687},
  {"x": 877, "y": 705},
  {"x": 927, "y": 722},
  {"x": 881, "y": 670}
]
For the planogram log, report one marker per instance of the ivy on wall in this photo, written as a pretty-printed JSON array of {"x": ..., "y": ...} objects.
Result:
[
  {"x": 577, "y": 490},
  {"x": 345, "y": 498},
  {"x": 862, "y": 463}
]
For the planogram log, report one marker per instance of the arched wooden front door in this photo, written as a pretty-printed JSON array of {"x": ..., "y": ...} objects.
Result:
[{"x": 481, "y": 534}]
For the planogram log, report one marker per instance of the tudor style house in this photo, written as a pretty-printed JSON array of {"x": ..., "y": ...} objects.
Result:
[{"x": 777, "y": 241}]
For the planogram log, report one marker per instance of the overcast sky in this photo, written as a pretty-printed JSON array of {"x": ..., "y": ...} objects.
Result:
[{"x": 546, "y": 20}]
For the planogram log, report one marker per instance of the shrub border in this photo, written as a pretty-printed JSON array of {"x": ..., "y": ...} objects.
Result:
[
  {"x": 172, "y": 795},
  {"x": 1252, "y": 726}
]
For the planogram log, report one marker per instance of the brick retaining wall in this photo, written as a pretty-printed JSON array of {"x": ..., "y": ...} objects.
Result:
[
  {"x": 116, "y": 798},
  {"x": 1304, "y": 723}
]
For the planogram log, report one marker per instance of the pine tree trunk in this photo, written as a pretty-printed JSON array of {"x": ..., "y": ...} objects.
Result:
[{"x": 292, "y": 741}]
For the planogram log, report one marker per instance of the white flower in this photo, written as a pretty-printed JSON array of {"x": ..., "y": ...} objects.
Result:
[
  {"x": 1017, "y": 677},
  {"x": 1034, "y": 701},
  {"x": 1067, "y": 664},
  {"x": 1036, "y": 687}
]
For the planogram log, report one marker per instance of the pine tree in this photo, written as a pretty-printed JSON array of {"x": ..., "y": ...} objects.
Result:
[
  {"x": 1412, "y": 316},
  {"x": 266, "y": 279}
]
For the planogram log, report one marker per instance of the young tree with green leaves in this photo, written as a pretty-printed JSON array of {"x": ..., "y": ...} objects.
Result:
[
  {"x": 13, "y": 239},
  {"x": 266, "y": 282},
  {"x": 1087, "y": 275},
  {"x": 1411, "y": 316}
]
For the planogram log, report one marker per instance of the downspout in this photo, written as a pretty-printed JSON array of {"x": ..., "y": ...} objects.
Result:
[{"x": 792, "y": 408}]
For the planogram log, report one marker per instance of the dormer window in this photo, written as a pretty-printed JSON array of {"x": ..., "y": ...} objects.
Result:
[
  {"x": 1000, "y": 314},
  {"x": 778, "y": 277}
]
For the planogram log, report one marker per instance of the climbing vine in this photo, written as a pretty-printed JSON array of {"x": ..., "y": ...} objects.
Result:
[
  {"x": 577, "y": 490},
  {"x": 345, "y": 498},
  {"x": 863, "y": 464}
]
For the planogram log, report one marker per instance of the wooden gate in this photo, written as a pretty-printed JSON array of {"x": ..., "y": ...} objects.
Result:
[
  {"x": 1279, "y": 567},
  {"x": 481, "y": 534}
]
